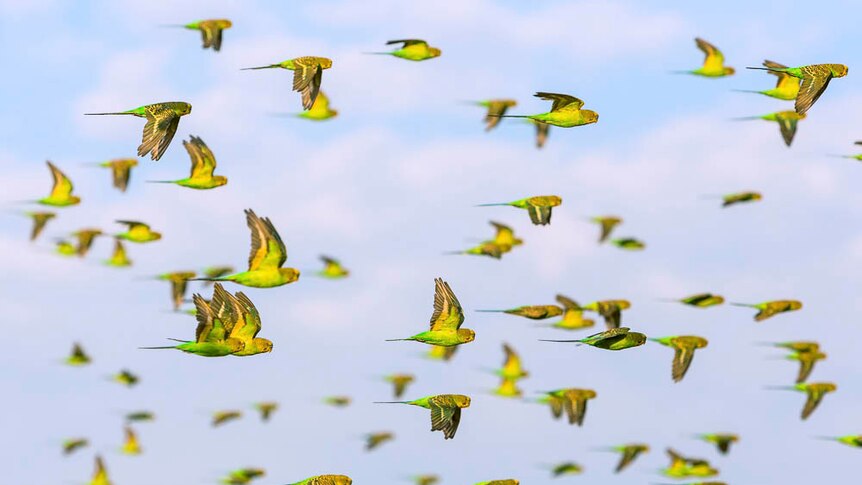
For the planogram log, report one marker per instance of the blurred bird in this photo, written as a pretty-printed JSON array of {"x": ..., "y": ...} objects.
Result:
[
  {"x": 216, "y": 272},
  {"x": 539, "y": 207},
  {"x": 701, "y": 300},
  {"x": 374, "y": 440},
  {"x": 118, "y": 258},
  {"x": 446, "y": 320},
  {"x": 320, "y": 110},
  {"x": 488, "y": 248},
  {"x": 162, "y": 122},
  {"x": 266, "y": 409},
  {"x": 268, "y": 255},
  {"x": 125, "y": 378},
  {"x": 100, "y": 475},
  {"x": 131, "y": 445},
  {"x": 684, "y": 347},
  {"x": 179, "y": 281},
  {"x": 337, "y": 401},
  {"x": 786, "y": 87},
  {"x": 72, "y": 445},
  {"x": 787, "y": 122},
  {"x": 508, "y": 481},
  {"x": 138, "y": 232},
  {"x": 542, "y": 130},
  {"x": 40, "y": 219},
  {"x": 814, "y": 391},
  {"x": 713, "y": 63},
  {"x": 243, "y": 476},
  {"x": 806, "y": 363},
  {"x": 554, "y": 402},
  {"x": 307, "y": 75},
  {"x": 426, "y": 479},
  {"x": 412, "y": 50},
  {"x": 566, "y": 468},
  {"x": 61, "y": 191},
  {"x": 399, "y": 383},
  {"x": 203, "y": 166},
  {"x": 573, "y": 315},
  {"x": 495, "y": 109},
  {"x": 445, "y": 411},
  {"x": 613, "y": 339},
  {"x": 565, "y": 111},
  {"x": 332, "y": 269},
  {"x": 121, "y": 171},
  {"x": 512, "y": 367},
  {"x": 769, "y": 309},
  {"x": 505, "y": 236},
  {"x": 628, "y": 243},
  {"x": 85, "y": 239},
  {"x": 722, "y": 441},
  {"x": 628, "y": 453},
  {"x": 573, "y": 401},
  {"x": 222, "y": 417},
  {"x": 682, "y": 467},
  {"x": 533, "y": 312},
  {"x": 854, "y": 440},
  {"x": 78, "y": 357},
  {"x": 610, "y": 310},
  {"x": 439, "y": 352},
  {"x": 65, "y": 248},
  {"x": 796, "y": 346},
  {"x": 739, "y": 198},
  {"x": 814, "y": 81},
  {"x": 325, "y": 480},
  {"x": 140, "y": 416},
  {"x": 607, "y": 223},
  {"x": 211, "y": 31},
  {"x": 508, "y": 388}
]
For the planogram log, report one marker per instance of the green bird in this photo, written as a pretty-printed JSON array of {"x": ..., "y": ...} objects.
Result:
[
  {"x": 118, "y": 258},
  {"x": 338, "y": 401},
  {"x": 613, "y": 339},
  {"x": 126, "y": 378},
  {"x": 130, "y": 445},
  {"x": 78, "y": 357},
  {"x": 412, "y": 50},
  {"x": 446, "y": 320},
  {"x": 487, "y": 248},
  {"x": 140, "y": 416},
  {"x": 74, "y": 444},
  {"x": 439, "y": 352},
  {"x": 854, "y": 440},
  {"x": 628, "y": 454},
  {"x": 608, "y": 224},
  {"x": 426, "y": 479},
  {"x": 769, "y": 309},
  {"x": 65, "y": 248},
  {"x": 203, "y": 166},
  {"x": 266, "y": 409},
  {"x": 213, "y": 337},
  {"x": 722, "y": 441},
  {"x": 445, "y": 411},
  {"x": 307, "y": 75},
  {"x": 684, "y": 347},
  {"x": 399, "y": 383},
  {"x": 787, "y": 122},
  {"x": 786, "y": 87},
  {"x": 609, "y": 310},
  {"x": 713, "y": 62},
  {"x": 566, "y": 468},
  {"x": 628, "y": 243},
  {"x": 507, "y": 481},
  {"x": 332, "y": 269},
  {"x": 539, "y": 207},
  {"x": 565, "y": 111},
  {"x": 814, "y": 81},
  {"x": 533, "y": 312},
  {"x": 374, "y": 440},
  {"x": 221, "y": 417},
  {"x": 571, "y": 400},
  {"x": 814, "y": 391},
  {"x": 40, "y": 219},
  {"x": 179, "y": 281},
  {"x": 138, "y": 232},
  {"x": 325, "y": 480},
  {"x": 85, "y": 239},
  {"x": 320, "y": 110},
  {"x": 542, "y": 131},
  {"x": 573, "y": 315},
  {"x": 211, "y": 31},
  {"x": 740, "y": 198},
  {"x": 683, "y": 467},
  {"x": 61, "y": 191},
  {"x": 162, "y": 122},
  {"x": 243, "y": 476},
  {"x": 100, "y": 475},
  {"x": 495, "y": 109},
  {"x": 701, "y": 300},
  {"x": 268, "y": 255},
  {"x": 121, "y": 171}
]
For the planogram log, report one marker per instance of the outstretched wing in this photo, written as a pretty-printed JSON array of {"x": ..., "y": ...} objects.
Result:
[
  {"x": 248, "y": 324},
  {"x": 681, "y": 361},
  {"x": 714, "y": 59},
  {"x": 783, "y": 77},
  {"x": 806, "y": 365},
  {"x": 204, "y": 315},
  {"x": 162, "y": 123},
  {"x": 203, "y": 160},
  {"x": 539, "y": 215},
  {"x": 445, "y": 419},
  {"x": 607, "y": 227},
  {"x": 568, "y": 303},
  {"x": 787, "y": 124},
  {"x": 267, "y": 248},
  {"x": 62, "y": 185},
  {"x": 629, "y": 455},
  {"x": 448, "y": 314},
  {"x": 306, "y": 80},
  {"x": 407, "y": 42},
  {"x": 560, "y": 100},
  {"x": 542, "y": 130},
  {"x": 511, "y": 363},
  {"x": 814, "y": 398},
  {"x": 814, "y": 82}
]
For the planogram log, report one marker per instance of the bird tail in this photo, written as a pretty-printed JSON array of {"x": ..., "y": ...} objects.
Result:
[
  {"x": 173, "y": 26},
  {"x": 567, "y": 341},
  {"x": 746, "y": 91},
  {"x": 826, "y": 438},
  {"x": 130, "y": 112},
  {"x": 179, "y": 340},
  {"x": 157, "y": 348},
  {"x": 835, "y": 155},
  {"x": 779, "y": 388},
  {"x": 491, "y": 311},
  {"x": 679, "y": 72},
  {"x": 746, "y": 118},
  {"x": 271, "y": 66},
  {"x": 509, "y": 116},
  {"x": 765, "y": 69},
  {"x": 668, "y": 300},
  {"x": 378, "y": 53},
  {"x": 449, "y": 253},
  {"x": 160, "y": 181},
  {"x": 391, "y": 402},
  {"x": 207, "y": 279},
  {"x": 491, "y": 205},
  {"x": 747, "y": 305},
  {"x": 398, "y": 339}
]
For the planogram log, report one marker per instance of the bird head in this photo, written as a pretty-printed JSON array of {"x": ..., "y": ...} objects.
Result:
[
  {"x": 461, "y": 401},
  {"x": 263, "y": 345},
  {"x": 289, "y": 274},
  {"x": 728, "y": 71},
  {"x": 435, "y": 52},
  {"x": 219, "y": 180},
  {"x": 466, "y": 335},
  {"x": 838, "y": 70},
  {"x": 74, "y": 199},
  {"x": 589, "y": 116}
]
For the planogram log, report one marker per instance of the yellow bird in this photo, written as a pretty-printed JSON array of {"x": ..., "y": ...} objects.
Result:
[
  {"x": 713, "y": 64},
  {"x": 573, "y": 315},
  {"x": 100, "y": 476},
  {"x": 138, "y": 232},
  {"x": 131, "y": 445},
  {"x": 61, "y": 192},
  {"x": 320, "y": 110},
  {"x": 118, "y": 257}
]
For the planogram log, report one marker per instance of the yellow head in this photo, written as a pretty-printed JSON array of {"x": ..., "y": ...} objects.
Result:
[
  {"x": 589, "y": 116},
  {"x": 728, "y": 71},
  {"x": 434, "y": 52},
  {"x": 219, "y": 180},
  {"x": 289, "y": 275},
  {"x": 263, "y": 345},
  {"x": 461, "y": 401},
  {"x": 838, "y": 70},
  {"x": 466, "y": 335}
]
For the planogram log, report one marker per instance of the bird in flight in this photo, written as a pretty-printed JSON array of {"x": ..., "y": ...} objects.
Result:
[
  {"x": 683, "y": 467},
  {"x": 566, "y": 468},
  {"x": 78, "y": 357},
  {"x": 399, "y": 383},
  {"x": 565, "y": 111},
  {"x": 320, "y": 110},
  {"x": 740, "y": 198},
  {"x": 700, "y": 300},
  {"x": 787, "y": 123},
  {"x": 496, "y": 108},
  {"x": 40, "y": 219},
  {"x": 769, "y": 309},
  {"x": 138, "y": 232},
  {"x": 332, "y": 269},
  {"x": 445, "y": 411},
  {"x": 539, "y": 207},
  {"x": 446, "y": 320},
  {"x": 684, "y": 347},
  {"x": 814, "y": 392},
  {"x": 61, "y": 192},
  {"x": 221, "y": 417},
  {"x": 533, "y": 312},
  {"x": 722, "y": 441},
  {"x": 203, "y": 166},
  {"x": 325, "y": 480},
  {"x": 610, "y": 310},
  {"x": 266, "y": 409},
  {"x": 713, "y": 64},
  {"x": 162, "y": 122},
  {"x": 100, "y": 475},
  {"x": 243, "y": 476},
  {"x": 131, "y": 445},
  {"x": 374, "y": 440},
  {"x": 786, "y": 86},
  {"x": 211, "y": 31},
  {"x": 628, "y": 243},
  {"x": 571, "y": 400},
  {"x": 74, "y": 444},
  {"x": 412, "y": 50},
  {"x": 607, "y": 224},
  {"x": 179, "y": 283},
  {"x": 612, "y": 339},
  {"x": 628, "y": 454},
  {"x": 307, "y": 75},
  {"x": 573, "y": 315},
  {"x": 814, "y": 81},
  {"x": 121, "y": 171},
  {"x": 118, "y": 258}
]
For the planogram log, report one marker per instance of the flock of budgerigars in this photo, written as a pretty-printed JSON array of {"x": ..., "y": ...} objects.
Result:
[{"x": 229, "y": 324}]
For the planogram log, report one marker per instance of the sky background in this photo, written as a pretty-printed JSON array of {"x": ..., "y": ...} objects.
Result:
[{"x": 387, "y": 187}]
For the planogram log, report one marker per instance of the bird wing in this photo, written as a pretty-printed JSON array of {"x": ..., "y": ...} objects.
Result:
[
  {"x": 787, "y": 124},
  {"x": 101, "y": 472},
  {"x": 162, "y": 123},
  {"x": 198, "y": 167},
  {"x": 400, "y": 386},
  {"x": 539, "y": 215},
  {"x": 607, "y": 227},
  {"x": 580, "y": 409},
  {"x": 448, "y": 314},
  {"x": 119, "y": 249},
  {"x": 330, "y": 262},
  {"x": 267, "y": 248},
  {"x": 445, "y": 419},
  {"x": 504, "y": 235},
  {"x": 806, "y": 365},
  {"x": 556, "y": 406},
  {"x": 511, "y": 363},
  {"x": 723, "y": 445},
  {"x": 407, "y": 42},
  {"x": 496, "y": 109},
  {"x": 629, "y": 455},
  {"x": 62, "y": 185},
  {"x": 568, "y": 303},
  {"x": 714, "y": 59},
  {"x": 681, "y": 360},
  {"x": 560, "y": 100},
  {"x": 814, "y": 82},
  {"x": 783, "y": 77},
  {"x": 178, "y": 290},
  {"x": 120, "y": 173},
  {"x": 78, "y": 352},
  {"x": 249, "y": 324},
  {"x": 814, "y": 398},
  {"x": 204, "y": 315},
  {"x": 306, "y": 80},
  {"x": 207, "y": 32},
  {"x": 542, "y": 130},
  {"x": 131, "y": 439},
  {"x": 613, "y": 316}
]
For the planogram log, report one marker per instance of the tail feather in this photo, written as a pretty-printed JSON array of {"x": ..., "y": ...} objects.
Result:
[
  {"x": 746, "y": 91},
  {"x": 104, "y": 114},
  {"x": 208, "y": 279},
  {"x": 746, "y": 305},
  {"x": 746, "y": 118},
  {"x": 161, "y": 181},
  {"x": 491, "y": 311},
  {"x": 679, "y": 72},
  {"x": 509, "y": 116},
  {"x": 378, "y": 53},
  {"x": 763, "y": 69},
  {"x": 567, "y": 341},
  {"x": 271, "y": 66},
  {"x": 157, "y": 348},
  {"x": 398, "y": 339},
  {"x": 492, "y": 205},
  {"x": 390, "y": 402}
]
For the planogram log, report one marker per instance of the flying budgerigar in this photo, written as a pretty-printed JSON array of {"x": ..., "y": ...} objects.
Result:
[
  {"x": 814, "y": 81},
  {"x": 684, "y": 347},
  {"x": 445, "y": 411},
  {"x": 337, "y": 401},
  {"x": 266, "y": 409},
  {"x": 61, "y": 191},
  {"x": 533, "y": 312},
  {"x": 426, "y": 479},
  {"x": 399, "y": 383},
  {"x": 118, "y": 258},
  {"x": 320, "y": 110},
  {"x": 439, "y": 352},
  {"x": 566, "y": 468},
  {"x": 125, "y": 378},
  {"x": 130, "y": 445},
  {"x": 683, "y": 467},
  {"x": 268, "y": 255},
  {"x": 412, "y": 50},
  {"x": 72, "y": 445},
  {"x": 628, "y": 454},
  {"x": 446, "y": 320},
  {"x": 243, "y": 476},
  {"x": 769, "y": 309},
  {"x": 722, "y": 441},
  {"x": 713, "y": 64},
  {"x": 211, "y": 31},
  {"x": 85, "y": 238},
  {"x": 565, "y": 111},
  {"x": 610, "y": 311},
  {"x": 487, "y": 248},
  {"x": 307, "y": 75},
  {"x": 814, "y": 392},
  {"x": 700, "y": 300},
  {"x": 508, "y": 388},
  {"x": 140, "y": 416},
  {"x": 40, "y": 219},
  {"x": 373, "y": 440},
  {"x": 607, "y": 224},
  {"x": 65, "y": 248},
  {"x": 495, "y": 109},
  {"x": 854, "y": 440},
  {"x": 539, "y": 207},
  {"x": 786, "y": 86},
  {"x": 787, "y": 122},
  {"x": 542, "y": 131},
  {"x": 203, "y": 165},
  {"x": 78, "y": 356},
  {"x": 571, "y": 400},
  {"x": 504, "y": 236},
  {"x": 162, "y": 122},
  {"x": 179, "y": 281},
  {"x": 332, "y": 269},
  {"x": 506, "y": 481},
  {"x": 100, "y": 475},
  {"x": 138, "y": 232},
  {"x": 612, "y": 339},
  {"x": 512, "y": 367},
  {"x": 221, "y": 417},
  {"x": 740, "y": 198},
  {"x": 325, "y": 480},
  {"x": 628, "y": 243},
  {"x": 121, "y": 171}
]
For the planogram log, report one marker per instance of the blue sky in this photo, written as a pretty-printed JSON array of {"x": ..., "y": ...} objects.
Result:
[{"x": 387, "y": 187}]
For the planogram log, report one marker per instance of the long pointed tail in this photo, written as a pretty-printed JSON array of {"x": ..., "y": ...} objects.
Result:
[
  {"x": 746, "y": 118},
  {"x": 390, "y": 402},
  {"x": 491, "y": 205},
  {"x": 567, "y": 341},
  {"x": 835, "y": 155},
  {"x": 746, "y": 305},
  {"x": 510, "y": 116},
  {"x": 271, "y": 66},
  {"x": 779, "y": 388},
  {"x": 157, "y": 348},
  {"x": 449, "y": 253},
  {"x": 746, "y": 91},
  {"x": 105, "y": 114},
  {"x": 763, "y": 69},
  {"x": 679, "y": 72},
  {"x": 491, "y": 311},
  {"x": 399, "y": 339},
  {"x": 161, "y": 181},
  {"x": 207, "y": 279},
  {"x": 378, "y": 53}
]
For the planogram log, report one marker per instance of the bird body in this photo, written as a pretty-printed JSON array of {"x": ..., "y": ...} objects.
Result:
[
  {"x": 739, "y": 198},
  {"x": 567, "y": 468},
  {"x": 607, "y": 223},
  {"x": 326, "y": 480},
  {"x": 508, "y": 481},
  {"x": 713, "y": 62},
  {"x": 533, "y": 312},
  {"x": 610, "y": 310},
  {"x": 488, "y": 248},
  {"x": 125, "y": 378},
  {"x": 163, "y": 119},
  {"x": 121, "y": 171},
  {"x": 508, "y": 388},
  {"x": 73, "y": 444},
  {"x": 683, "y": 467},
  {"x": 854, "y": 440},
  {"x": 40, "y": 219},
  {"x": 374, "y": 440},
  {"x": 702, "y": 300},
  {"x": 787, "y": 123},
  {"x": 573, "y": 315},
  {"x": 243, "y": 476},
  {"x": 814, "y": 81},
  {"x": 332, "y": 269},
  {"x": 266, "y": 409},
  {"x": 140, "y": 416},
  {"x": 684, "y": 347},
  {"x": 221, "y": 417},
  {"x": 722, "y": 441},
  {"x": 307, "y": 75},
  {"x": 179, "y": 282},
  {"x": 496, "y": 109},
  {"x": 337, "y": 401},
  {"x": 571, "y": 400},
  {"x": 786, "y": 87},
  {"x": 131, "y": 445},
  {"x": 438, "y": 352},
  {"x": 628, "y": 243},
  {"x": 320, "y": 110},
  {"x": 212, "y": 31},
  {"x": 628, "y": 454},
  {"x": 445, "y": 411},
  {"x": 399, "y": 383},
  {"x": 78, "y": 357},
  {"x": 565, "y": 112},
  {"x": 806, "y": 363},
  {"x": 118, "y": 258},
  {"x": 539, "y": 207},
  {"x": 814, "y": 392},
  {"x": 100, "y": 475}
]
